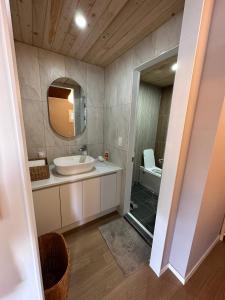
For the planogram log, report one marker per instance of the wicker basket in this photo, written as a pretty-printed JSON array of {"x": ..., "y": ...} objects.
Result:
[
  {"x": 55, "y": 265},
  {"x": 40, "y": 172}
]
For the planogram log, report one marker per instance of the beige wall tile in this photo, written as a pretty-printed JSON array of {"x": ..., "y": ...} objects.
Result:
[
  {"x": 95, "y": 125},
  {"x": 149, "y": 99},
  {"x": 76, "y": 70},
  {"x": 52, "y": 66},
  {"x": 47, "y": 66},
  {"x": 118, "y": 83},
  {"x": 95, "y": 150},
  {"x": 34, "y": 125},
  {"x": 95, "y": 86},
  {"x": 28, "y": 70}
]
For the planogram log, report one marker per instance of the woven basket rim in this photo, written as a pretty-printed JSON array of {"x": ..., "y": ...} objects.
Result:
[{"x": 68, "y": 257}]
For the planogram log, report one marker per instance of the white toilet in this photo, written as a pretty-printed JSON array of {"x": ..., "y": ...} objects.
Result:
[{"x": 150, "y": 175}]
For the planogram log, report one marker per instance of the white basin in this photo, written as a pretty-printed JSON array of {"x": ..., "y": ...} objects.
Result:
[{"x": 70, "y": 165}]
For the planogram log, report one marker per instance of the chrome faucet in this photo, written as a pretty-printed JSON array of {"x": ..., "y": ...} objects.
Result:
[
  {"x": 83, "y": 149},
  {"x": 83, "y": 153}
]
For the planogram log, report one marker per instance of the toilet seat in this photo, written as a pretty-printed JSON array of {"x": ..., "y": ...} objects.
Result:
[
  {"x": 149, "y": 163},
  {"x": 149, "y": 158},
  {"x": 155, "y": 171}
]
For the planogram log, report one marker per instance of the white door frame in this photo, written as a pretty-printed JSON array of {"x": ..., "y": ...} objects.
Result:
[
  {"x": 192, "y": 46},
  {"x": 135, "y": 91}
]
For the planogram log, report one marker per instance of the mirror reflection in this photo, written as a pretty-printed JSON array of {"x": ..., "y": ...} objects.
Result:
[{"x": 66, "y": 107}]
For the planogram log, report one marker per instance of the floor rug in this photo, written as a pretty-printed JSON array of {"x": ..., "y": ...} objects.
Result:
[{"x": 127, "y": 246}]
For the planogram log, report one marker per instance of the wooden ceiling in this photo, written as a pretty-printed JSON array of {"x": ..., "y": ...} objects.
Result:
[
  {"x": 160, "y": 74},
  {"x": 114, "y": 26}
]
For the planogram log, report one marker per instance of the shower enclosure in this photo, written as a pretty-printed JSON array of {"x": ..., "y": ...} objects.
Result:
[{"x": 152, "y": 116}]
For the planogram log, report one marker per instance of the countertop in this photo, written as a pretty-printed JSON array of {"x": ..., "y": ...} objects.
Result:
[{"x": 101, "y": 168}]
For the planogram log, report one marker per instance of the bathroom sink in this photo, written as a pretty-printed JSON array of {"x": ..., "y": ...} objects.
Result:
[{"x": 71, "y": 165}]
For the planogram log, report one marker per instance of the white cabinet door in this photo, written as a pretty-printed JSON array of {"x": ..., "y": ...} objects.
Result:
[
  {"x": 71, "y": 203},
  {"x": 47, "y": 210},
  {"x": 108, "y": 192},
  {"x": 118, "y": 187},
  {"x": 91, "y": 197}
]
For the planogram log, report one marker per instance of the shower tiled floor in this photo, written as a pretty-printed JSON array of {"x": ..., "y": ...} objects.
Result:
[{"x": 144, "y": 206}]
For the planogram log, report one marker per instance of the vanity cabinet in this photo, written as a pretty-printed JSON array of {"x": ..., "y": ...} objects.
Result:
[
  {"x": 47, "y": 209},
  {"x": 91, "y": 197},
  {"x": 68, "y": 205},
  {"x": 109, "y": 197},
  {"x": 71, "y": 203}
]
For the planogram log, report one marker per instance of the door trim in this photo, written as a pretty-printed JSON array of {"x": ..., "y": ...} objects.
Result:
[{"x": 193, "y": 43}]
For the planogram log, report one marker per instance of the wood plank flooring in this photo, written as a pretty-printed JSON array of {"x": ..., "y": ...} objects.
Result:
[{"x": 95, "y": 274}]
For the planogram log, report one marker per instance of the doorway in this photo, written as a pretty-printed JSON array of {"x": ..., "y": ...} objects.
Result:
[{"x": 152, "y": 112}]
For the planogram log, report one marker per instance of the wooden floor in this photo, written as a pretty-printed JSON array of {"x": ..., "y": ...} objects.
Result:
[{"x": 95, "y": 274}]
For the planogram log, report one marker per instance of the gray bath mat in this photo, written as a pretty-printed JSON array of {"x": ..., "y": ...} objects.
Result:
[{"x": 126, "y": 245}]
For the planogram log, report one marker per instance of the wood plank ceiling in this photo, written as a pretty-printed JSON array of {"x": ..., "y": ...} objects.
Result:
[{"x": 114, "y": 26}]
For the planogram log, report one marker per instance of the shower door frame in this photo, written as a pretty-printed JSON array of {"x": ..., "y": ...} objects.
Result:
[
  {"x": 131, "y": 150},
  {"x": 135, "y": 91}
]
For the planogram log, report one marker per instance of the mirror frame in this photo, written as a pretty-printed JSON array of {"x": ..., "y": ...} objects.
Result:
[{"x": 85, "y": 111}]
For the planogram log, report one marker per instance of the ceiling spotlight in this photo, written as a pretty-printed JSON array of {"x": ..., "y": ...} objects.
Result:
[
  {"x": 80, "y": 20},
  {"x": 174, "y": 67}
]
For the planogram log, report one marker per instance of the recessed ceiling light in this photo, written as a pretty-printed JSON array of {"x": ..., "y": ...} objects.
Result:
[
  {"x": 174, "y": 67},
  {"x": 80, "y": 20}
]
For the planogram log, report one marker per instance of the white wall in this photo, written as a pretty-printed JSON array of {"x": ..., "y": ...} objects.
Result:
[
  {"x": 202, "y": 199},
  {"x": 212, "y": 209},
  {"x": 193, "y": 42},
  {"x": 20, "y": 272},
  {"x": 37, "y": 69}
]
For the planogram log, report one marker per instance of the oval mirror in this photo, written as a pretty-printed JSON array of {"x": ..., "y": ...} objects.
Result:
[{"x": 66, "y": 107}]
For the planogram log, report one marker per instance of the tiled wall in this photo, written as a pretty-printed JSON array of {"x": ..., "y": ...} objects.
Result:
[
  {"x": 37, "y": 68},
  {"x": 146, "y": 126},
  {"x": 164, "y": 113},
  {"x": 118, "y": 87}
]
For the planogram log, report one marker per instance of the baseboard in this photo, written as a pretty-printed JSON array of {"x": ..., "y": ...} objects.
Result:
[
  {"x": 194, "y": 269},
  {"x": 177, "y": 274},
  {"x": 184, "y": 280},
  {"x": 87, "y": 220},
  {"x": 164, "y": 269}
]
